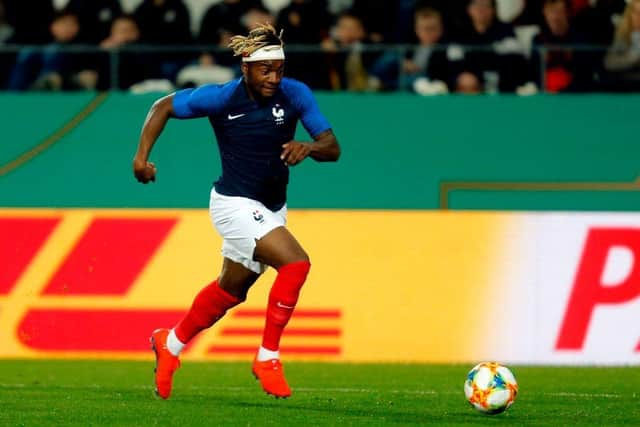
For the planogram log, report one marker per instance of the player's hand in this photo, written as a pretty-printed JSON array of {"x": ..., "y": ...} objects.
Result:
[
  {"x": 144, "y": 172},
  {"x": 294, "y": 152}
]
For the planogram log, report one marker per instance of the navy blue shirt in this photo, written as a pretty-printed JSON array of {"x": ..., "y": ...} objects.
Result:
[{"x": 250, "y": 134}]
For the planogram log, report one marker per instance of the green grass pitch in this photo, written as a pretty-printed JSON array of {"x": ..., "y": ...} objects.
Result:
[{"x": 108, "y": 393}]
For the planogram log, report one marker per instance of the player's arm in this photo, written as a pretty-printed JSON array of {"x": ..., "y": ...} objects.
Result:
[
  {"x": 161, "y": 111},
  {"x": 184, "y": 104},
  {"x": 325, "y": 148}
]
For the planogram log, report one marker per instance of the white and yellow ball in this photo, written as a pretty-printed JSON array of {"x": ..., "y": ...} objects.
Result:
[{"x": 490, "y": 387}]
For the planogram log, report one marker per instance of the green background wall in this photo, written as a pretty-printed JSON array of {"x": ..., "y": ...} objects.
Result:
[{"x": 397, "y": 149}]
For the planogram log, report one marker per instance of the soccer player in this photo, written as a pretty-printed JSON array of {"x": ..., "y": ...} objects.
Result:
[{"x": 254, "y": 119}]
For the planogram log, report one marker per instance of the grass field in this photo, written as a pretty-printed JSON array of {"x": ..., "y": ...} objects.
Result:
[{"x": 102, "y": 393}]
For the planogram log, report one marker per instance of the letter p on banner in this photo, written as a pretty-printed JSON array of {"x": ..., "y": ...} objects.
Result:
[{"x": 589, "y": 291}]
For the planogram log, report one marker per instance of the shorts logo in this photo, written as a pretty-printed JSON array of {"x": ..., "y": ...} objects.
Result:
[
  {"x": 278, "y": 113},
  {"x": 258, "y": 216}
]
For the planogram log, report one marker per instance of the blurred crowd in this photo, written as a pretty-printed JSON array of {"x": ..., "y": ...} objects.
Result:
[{"x": 426, "y": 46}]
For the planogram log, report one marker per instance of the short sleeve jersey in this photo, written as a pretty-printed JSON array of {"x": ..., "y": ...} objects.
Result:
[{"x": 250, "y": 135}]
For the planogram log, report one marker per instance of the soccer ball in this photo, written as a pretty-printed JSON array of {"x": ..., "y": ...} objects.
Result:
[{"x": 490, "y": 388}]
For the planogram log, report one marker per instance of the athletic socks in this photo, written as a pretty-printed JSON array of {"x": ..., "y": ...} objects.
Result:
[
  {"x": 282, "y": 300},
  {"x": 212, "y": 303},
  {"x": 264, "y": 354},
  {"x": 209, "y": 305},
  {"x": 174, "y": 345}
]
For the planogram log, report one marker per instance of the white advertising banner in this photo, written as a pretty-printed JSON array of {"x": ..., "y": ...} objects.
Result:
[{"x": 571, "y": 289}]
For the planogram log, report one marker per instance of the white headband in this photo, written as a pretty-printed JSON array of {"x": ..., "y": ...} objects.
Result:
[{"x": 265, "y": 53}]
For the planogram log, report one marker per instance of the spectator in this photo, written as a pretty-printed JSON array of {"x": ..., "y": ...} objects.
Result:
[
  {"x": 530, "y": 13},
  {"x": 6, "y": 30},
  {"x": 306, "y": 22},
  {"x": 348, "y": 61},
  {"x": 375, "y": 17},
  {"x": 565, "y": 69},
  {"x": 6, "y": 58},
  {"x": 427, "y": 60},
  {"x": 132, "y": 68},
  {"x": 96, "y": 17},
  {"x": 30, "y": 28},
  {"x": 124, "y": 31},
  {"x": 596, "y": 21},
  {"x": 337, "y": 7},
  {"x": 24, "y": 27},
  {"x": 223, "y": 19},
  {"x": 502, "y": 67},
  {"x": 219, "y": 23},
  {"x": 623, "y": 58},
  {"x": 220, "y": 67},
  {"x": 454, "y": 13},
  {"x": 165, "y": 23},
  {"x": 50, "y": 68},
  {"x": 255, "y": 17},
  {"x": 382, "y": 18}
]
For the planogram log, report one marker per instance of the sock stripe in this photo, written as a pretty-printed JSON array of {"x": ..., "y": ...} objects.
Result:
[
  {"x": 293, "y": 350},
  {"x": 299, "y": 312},
  {"x": 297, "y": 332}
]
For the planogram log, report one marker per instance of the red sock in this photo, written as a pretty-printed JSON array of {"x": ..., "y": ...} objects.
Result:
[
  {"x": 282, "y": 300},
  {"x": 209, "y": 305}
]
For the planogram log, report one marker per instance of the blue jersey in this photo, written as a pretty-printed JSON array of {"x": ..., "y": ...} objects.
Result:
[{"x": 250, "y": 134}]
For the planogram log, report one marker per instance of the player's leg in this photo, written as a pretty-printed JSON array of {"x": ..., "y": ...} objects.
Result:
[
  {"x": 213, "y": 301},
  {"x": 278, "y": 248},
  {"x": 281, "y": 250},
  {"x": 209, "y": 305}
]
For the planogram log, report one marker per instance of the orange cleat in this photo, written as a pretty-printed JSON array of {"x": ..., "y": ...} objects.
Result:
[
  {"x": 271, "y": 377},
  {"x": 166, "y": 363}
]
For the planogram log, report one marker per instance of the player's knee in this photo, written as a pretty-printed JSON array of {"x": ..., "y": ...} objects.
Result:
[
  {"x": 234, "y": 290},
  {"x": 304, "y": 257},
  {"x": 235, "y": 287},
  {"x": 297, "y": 271}
]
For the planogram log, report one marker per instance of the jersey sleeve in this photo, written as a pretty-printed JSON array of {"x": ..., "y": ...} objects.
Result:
[
  {"x": 204, "y": 101},
  {"x": 312, "y": 119}
]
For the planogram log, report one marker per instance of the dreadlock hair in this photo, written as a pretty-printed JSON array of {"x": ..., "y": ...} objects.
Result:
[{"x": 262, "y": 35}]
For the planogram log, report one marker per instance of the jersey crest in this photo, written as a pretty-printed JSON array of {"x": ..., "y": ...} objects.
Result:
[{"x": 278, "y": 114}]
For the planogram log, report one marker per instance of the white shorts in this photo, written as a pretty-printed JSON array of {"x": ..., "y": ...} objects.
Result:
[{"x": 241, "y": 221}]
